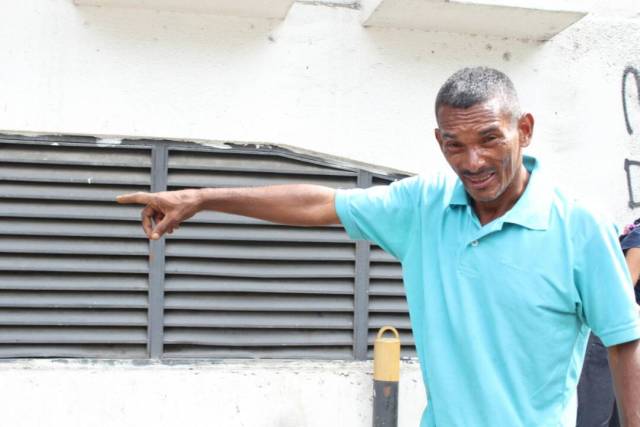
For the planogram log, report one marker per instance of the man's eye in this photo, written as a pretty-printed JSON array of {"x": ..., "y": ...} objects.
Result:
[{"x": 491, "y": 138}]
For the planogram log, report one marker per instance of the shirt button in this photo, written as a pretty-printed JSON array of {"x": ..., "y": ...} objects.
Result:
[{"x": 474, "y": 243}]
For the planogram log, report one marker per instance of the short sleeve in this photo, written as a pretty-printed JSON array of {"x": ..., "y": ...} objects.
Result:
[
  {"x": 384, "y": 215},
  {"x": 604, "y": 285}
]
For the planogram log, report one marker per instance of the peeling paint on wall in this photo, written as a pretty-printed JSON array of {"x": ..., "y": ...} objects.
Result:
[{"x": 107, "y": 142}]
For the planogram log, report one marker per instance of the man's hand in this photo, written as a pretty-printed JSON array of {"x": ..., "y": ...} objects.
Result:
[{"x": 164, "y": 211}]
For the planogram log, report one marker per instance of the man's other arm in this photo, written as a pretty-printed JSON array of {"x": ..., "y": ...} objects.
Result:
[
  {"x": 624, "y": 361},
  {"x": 298, "y": 204}
]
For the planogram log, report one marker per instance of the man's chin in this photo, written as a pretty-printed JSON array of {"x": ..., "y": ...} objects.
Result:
[{"x": 483, "y": 196}]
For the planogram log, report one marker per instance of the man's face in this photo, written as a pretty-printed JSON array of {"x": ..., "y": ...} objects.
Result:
[{"x": 483, "y": 144}]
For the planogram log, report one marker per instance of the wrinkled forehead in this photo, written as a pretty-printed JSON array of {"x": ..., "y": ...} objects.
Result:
[{"x": 488, "y": 114}]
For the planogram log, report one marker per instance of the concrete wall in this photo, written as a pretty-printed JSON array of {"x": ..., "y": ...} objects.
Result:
[
  {"x": 71, "y": 393},
  {"x": 317, "y": 80}
]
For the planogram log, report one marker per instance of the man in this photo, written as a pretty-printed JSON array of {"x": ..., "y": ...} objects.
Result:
[{"x": 504, "y": 275}]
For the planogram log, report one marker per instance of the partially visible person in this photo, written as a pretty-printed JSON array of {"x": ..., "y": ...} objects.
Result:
[
  {"x": 630, "y": 241},
  {"x": 596, "y": 399}
]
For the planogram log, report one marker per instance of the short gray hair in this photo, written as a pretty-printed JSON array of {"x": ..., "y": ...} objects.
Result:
[{"x": 470, "y": 86}]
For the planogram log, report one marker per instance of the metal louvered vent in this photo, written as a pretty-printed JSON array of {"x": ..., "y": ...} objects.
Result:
[
  {"x": 79, "y": 279},
  {"x": 237, "y": 287},
  {"x": 73, "y": 281}
]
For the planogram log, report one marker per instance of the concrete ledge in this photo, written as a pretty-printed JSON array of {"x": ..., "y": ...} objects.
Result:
[
  {"x": 256, "y": 393},
  {"x": 243, "y": 8},
  {"x": 521, "y": 19}
]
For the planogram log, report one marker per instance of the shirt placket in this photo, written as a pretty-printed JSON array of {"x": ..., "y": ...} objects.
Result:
[{"x": 473, "y": 240}]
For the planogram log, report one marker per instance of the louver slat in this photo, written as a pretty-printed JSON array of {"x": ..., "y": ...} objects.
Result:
[
  {"x": 261, "y": 269},
  {"x": 73, "y": 174},
  {"x": 86, "y": 350},
  {"x": 258, "y": 320},
  {"x": 205, "y": 161},
  {"x": 399, "y": 321},
  {"x": 386, "y": 271},
  {"x": 263, "y": 303},
  {"x": 259, "y": 251},
  {"x": 47, "y": 299},
  {"x": 87, "y": 155},
  {"x": 79, "y": 228},
  {"x": 251, "y": 338},
  {"x": 73, "y": 282},
  {"x": 63, "y": 246},
  {"x": 379, "y": 255},
  {"x": 73, "y": 317},
  {"x": 257, "y": 233},
  {"x": 386, "y": 287},
  {"x": 183, "y": 351},
  {"x": 77, "y": 192},
  {"x": 256, "y": 285},
  {"x": 71, "y": 335},
  {"x": 73, "y": 264},
  {"x": 67, "y": 210},
  {"x": 388, "y": 304},
  {"x": 250, "y": 179}
]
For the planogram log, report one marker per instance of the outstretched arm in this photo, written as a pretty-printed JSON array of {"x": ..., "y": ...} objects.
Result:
[{"x": 298, "y": 204}]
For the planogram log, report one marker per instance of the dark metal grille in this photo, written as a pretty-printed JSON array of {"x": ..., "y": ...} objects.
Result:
[{"x": 79, "y": 279}]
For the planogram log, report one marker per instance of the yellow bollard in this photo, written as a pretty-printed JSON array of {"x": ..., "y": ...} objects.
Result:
[{"x": 386, "y": 374}]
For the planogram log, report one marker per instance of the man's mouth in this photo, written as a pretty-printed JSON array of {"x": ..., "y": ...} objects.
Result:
[{"x": 479, "y": 181}]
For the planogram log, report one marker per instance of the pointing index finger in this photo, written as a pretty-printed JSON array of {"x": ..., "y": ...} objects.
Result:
[{"x": 139, "y": 198}]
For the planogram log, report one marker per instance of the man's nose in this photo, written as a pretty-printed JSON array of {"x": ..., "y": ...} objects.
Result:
[{"x": 475, "y": 160}]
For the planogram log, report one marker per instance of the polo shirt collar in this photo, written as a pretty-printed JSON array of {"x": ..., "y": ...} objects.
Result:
[{"x": 533, "y": 208}]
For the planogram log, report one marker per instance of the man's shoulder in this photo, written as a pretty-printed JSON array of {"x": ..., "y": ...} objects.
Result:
[{"x": 581, "y": 217}]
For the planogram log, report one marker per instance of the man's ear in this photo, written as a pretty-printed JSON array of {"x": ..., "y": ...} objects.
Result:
[{"x": 525, "y": 129}]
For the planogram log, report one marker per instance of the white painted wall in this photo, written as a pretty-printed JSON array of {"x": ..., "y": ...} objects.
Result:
[
  {"x": 231, "y": 394},
  {"x": 317, "y": 80}
]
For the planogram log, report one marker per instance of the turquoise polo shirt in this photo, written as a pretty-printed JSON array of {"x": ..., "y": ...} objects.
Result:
[{"x": 500, "y": 313}]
